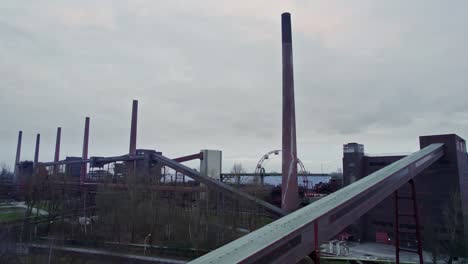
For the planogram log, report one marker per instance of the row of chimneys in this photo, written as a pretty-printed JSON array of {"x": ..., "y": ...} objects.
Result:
[
  {"x": 132, "y": 148},
  {"x": 289, "y": 199}
]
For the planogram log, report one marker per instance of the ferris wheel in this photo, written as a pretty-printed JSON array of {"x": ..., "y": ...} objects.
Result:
[{"x": 260, "y": 170}]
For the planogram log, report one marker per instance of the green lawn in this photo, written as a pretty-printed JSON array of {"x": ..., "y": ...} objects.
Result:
[{"x": 10, "y": 216}]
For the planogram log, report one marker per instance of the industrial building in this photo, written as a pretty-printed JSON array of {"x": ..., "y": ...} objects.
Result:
[{"x": 442, "y": 198}]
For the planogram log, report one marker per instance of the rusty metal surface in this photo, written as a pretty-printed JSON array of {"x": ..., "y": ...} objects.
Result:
[{"x": 189, "y": 157}]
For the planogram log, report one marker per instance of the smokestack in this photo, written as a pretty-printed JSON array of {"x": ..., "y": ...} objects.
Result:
[
  {"x": 289, "y": 188},
  {"x": 36, "y": 151},
  {"x": 133, "y": 128},
  {"x": 85, "y": 151},
  {"x": 57, "y": 148},
  {"x": 57, "y": 144},
  {"x": 18, "y": 152}
]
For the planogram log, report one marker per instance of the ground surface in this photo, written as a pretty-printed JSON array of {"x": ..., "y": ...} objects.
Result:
[{"x": 376, "y": 251}]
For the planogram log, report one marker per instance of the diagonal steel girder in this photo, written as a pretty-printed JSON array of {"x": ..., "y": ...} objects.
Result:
[
  {"x": 290, "y": 238},
  {"x": 210, "y": 182}
]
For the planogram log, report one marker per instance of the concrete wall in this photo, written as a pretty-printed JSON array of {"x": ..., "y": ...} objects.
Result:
[{"x": 210, "y": 165}]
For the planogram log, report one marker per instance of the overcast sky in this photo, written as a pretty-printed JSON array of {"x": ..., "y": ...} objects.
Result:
[{"x": 207, "y": 74}]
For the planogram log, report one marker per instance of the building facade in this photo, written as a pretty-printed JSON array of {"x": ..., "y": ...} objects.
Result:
[{"x": 441, "y": 195}]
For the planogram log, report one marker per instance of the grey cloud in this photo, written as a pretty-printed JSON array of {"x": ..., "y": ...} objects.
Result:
[{"x": 208, "y": 75}]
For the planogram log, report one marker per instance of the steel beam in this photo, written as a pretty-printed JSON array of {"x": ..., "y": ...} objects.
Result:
[
  {"x": 189, "y": 157},
  {"x": 290, "y": 238},
  {"x": 273, "y": 174},
  {"x": 85, "y": 151},
  {"x": 210, "y": 182},
  {"x": 93, "y": 159},
  {"x": 133, "y": 128},
  {"x": 289, "y": 187},
  {"x": 18, "y": 152}
]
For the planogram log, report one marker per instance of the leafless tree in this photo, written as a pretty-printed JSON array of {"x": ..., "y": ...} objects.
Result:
[
  {"x": 5, "y": 172},
  {"x": 446, "y": 237},
  {"x": 237, "y": 170}
]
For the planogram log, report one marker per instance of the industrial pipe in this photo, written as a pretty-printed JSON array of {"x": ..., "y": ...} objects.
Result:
[
  {"x": 93, "y": 159},
  {"x": 189, "y": 157}
]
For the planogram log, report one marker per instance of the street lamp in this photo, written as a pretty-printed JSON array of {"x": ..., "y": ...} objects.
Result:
[{"x": 144, "y": 244}]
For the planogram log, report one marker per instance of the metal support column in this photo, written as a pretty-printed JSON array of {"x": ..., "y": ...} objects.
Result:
[
  {"x": 415, "y": 215},
  {"x": 317, "y": 246},
  {"x": 397, "y": 231},
  {"x": 416, "y": 219}
]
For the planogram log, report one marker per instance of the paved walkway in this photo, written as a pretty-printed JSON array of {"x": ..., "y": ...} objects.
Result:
[
  {"x": 86, "y": 251},
  {"x": 24, "y": 206},
  {"x": 384, "y": 252}
]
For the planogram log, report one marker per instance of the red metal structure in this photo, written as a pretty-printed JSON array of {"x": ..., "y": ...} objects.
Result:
[
  {"x": 85, "y": 151},
  {"x": 414, "y": 215},
  {"x": 289, "y": 188},
  {"x": 189, "y": 157},
  {"x": 316, "y": 246}
]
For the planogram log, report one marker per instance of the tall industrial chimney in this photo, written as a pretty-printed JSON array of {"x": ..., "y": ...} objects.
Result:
[
  {"x": 289, "y": 188},
  {"x": 57, "y": 148},
  {"x": 18, "y": 153},
  {"x": 36, "y": 150},
  {"x": 85, "y": 151},
  {"x": 133, "y": 128}
]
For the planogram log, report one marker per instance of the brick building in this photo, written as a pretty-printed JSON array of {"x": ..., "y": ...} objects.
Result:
[{"x": 441, "y": 194}]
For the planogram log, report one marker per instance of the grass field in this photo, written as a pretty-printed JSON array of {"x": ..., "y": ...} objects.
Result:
[
  {"x": 8, "y": 213},
  {"x": 10, "y": 216}
]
